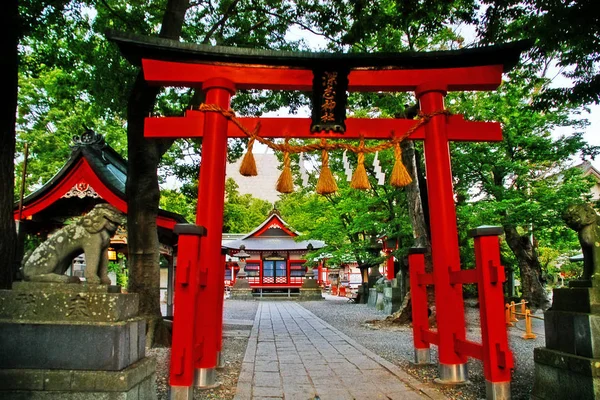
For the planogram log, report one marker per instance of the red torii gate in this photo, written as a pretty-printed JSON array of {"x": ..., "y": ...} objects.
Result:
[{"x": 220, "y": 71}]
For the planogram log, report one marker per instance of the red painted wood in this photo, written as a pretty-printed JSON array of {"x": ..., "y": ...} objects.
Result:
[
  {"x": 185, "y": 311},
  {"x": 418, "y": 292},
  {"x": 497, "y": 357},
  {"x": 221, "y": 290},
  {"x": 430, "y": 337},
  {"x": 191, "y": 126},
  {"x": 209, "y": 213},
  {"x": 390, "y": 267},
  {"x": 444, "y": 234},
  {"x": 172, "y": 73},
  {"x": 469, "y": 348}
]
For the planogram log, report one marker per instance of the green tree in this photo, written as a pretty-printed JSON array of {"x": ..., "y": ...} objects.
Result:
[
  {"x": 242, "y": 212},
  {"x": 522, "y": 183},
  {"x": 565, "y": 31}
]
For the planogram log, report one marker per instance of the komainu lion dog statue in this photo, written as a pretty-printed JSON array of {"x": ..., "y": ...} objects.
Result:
[
  {"x": 89, "y": 235},
  {"x": 584, "y": 220}
]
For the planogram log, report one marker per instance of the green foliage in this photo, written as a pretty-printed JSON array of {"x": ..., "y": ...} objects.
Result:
[
  {"x": 242, "y": 212},
  {"x": 120, "y": 273},
  {"x": 566, "y": 31}
]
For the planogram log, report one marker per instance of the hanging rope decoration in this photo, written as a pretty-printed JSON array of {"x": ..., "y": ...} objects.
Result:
[
  {"x": 360, "y": 179},
  {"x": 326, "y": 183},
  {"x": 285, "y": 183},
  {"x": 400, "y": 176},
  {"x": 248, "y": 165}
]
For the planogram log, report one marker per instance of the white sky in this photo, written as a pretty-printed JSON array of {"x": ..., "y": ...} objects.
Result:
[{"x": 592, "y": 132}]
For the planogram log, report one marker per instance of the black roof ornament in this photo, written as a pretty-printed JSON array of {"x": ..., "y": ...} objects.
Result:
[{"x": 88, "y": 138}]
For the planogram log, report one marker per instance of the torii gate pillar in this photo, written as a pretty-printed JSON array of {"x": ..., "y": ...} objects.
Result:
[
  {"x": 209, "y": 213},
  {"x": 444, "y": 235}
]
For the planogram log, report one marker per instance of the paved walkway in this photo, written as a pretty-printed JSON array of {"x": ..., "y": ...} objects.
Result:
[{"x": 294, "y": 355}]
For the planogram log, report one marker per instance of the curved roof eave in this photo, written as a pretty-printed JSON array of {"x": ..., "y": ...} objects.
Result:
[{"x": 135, "y": 47}]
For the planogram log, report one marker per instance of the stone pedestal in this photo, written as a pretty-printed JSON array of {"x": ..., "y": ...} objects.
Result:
[
  {"x": 372, "y": 297},
  {"x": 241, "y": 290},
  {"x": 570, "y": 362},
  {"x": 380, "y": 300},
  {"x": 310, "y": 290},
  {"x": 392, "y": 299},
  {"x": 72, "y": 341}
]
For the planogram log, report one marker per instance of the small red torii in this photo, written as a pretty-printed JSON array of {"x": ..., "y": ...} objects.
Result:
[{"x": 220, "y": 71}]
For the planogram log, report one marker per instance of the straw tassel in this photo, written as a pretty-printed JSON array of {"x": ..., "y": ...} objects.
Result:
[
  {"x": 360, "y": 180},
  {"x": 285, "y": 183},
  {"x": 326, "y": 183},
  {"x": 248, "y": 165},
  {"x": 400, "y": 176}
]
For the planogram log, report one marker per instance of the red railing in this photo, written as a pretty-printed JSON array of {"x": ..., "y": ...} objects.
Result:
[{"x": 489, "y": 276}]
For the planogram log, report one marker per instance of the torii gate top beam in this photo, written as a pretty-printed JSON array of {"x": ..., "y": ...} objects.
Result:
[{"x": 170, "y": 63}]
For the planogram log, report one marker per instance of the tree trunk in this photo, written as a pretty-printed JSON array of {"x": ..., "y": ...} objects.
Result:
[
  {"x": 143, "y": 193},
  {"x": 10, "y": 60},
  {"x": 532, "y": 286},
  {"x": 420, "y": 228}
]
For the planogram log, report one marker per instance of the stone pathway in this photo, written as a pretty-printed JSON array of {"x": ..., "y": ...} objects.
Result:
[{"x": 294, "y": 355}]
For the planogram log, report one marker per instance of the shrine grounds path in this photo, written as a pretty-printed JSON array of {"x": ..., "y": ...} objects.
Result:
[{"x": 294, "y": 355}]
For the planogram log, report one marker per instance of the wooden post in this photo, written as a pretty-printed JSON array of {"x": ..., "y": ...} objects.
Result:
[
  {"x": 444, "y": 235},
  {"x": 497, "y": 357},
  {"x": 209, "y": 213}
]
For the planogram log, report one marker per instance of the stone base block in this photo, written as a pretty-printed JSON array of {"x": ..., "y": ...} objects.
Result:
[
  {"x": 241, "y": 294},
  {"x": 372, "y": 297},
  {"x": 66, "y": 302},
  {"x": 561, "y": 375},
  {"x": 136, "y": 382},
  {"x": 573, "y": 333},
  {"x": 310, "y": 294},
  {"x": 576, "y": 299},
  {"x": 82, "y": 346},
  {"x": 392, "y": 299}
]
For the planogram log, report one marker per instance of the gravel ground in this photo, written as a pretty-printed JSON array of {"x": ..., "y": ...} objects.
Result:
[
  {"x": 235, "y": 339},
  {"x": 395, "y": 345}
]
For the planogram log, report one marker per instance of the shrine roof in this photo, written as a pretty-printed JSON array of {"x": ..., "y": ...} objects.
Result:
[
  {"x": 273, "y": 234},
  {"x": 273, "y": 244},
  {"x": 135, "y": 47},
  {"x": 108, "y": 166}
]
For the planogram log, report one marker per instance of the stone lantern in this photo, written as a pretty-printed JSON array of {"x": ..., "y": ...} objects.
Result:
[
  {"x": 241, "y": 289},
  {"x": 310, "y": 289}
]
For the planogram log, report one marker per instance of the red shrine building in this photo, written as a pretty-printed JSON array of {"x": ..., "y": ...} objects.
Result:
[{"x": 277, "y": 260}]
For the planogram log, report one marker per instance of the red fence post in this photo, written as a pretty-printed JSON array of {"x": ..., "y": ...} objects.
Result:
[
  {"x": 221, "y": 289},
  {"x": 497, "y": 357},
  {"x": 444, "y": 235},
  {"x": 209, "y": 213},
  {"x": 420, "y": 314},
  {"x": 187, "y": 285}
]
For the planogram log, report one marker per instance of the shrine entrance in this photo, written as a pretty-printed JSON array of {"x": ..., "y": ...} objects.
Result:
[{"x": 220, "y": 71}]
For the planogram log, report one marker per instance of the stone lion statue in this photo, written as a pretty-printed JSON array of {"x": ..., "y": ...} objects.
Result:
[
  {"x": 90, "y": 234},
  {"x": 583, "y": 219}
]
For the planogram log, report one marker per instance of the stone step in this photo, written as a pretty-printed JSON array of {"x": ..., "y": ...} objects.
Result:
[{"x": 132, "y": 383}]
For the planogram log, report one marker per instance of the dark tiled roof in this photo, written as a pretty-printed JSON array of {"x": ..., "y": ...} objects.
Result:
[
  {"x": 135, "y": 47},
  {"x": 106, "y": 163},
  {"x": 272, "y": 244}
]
